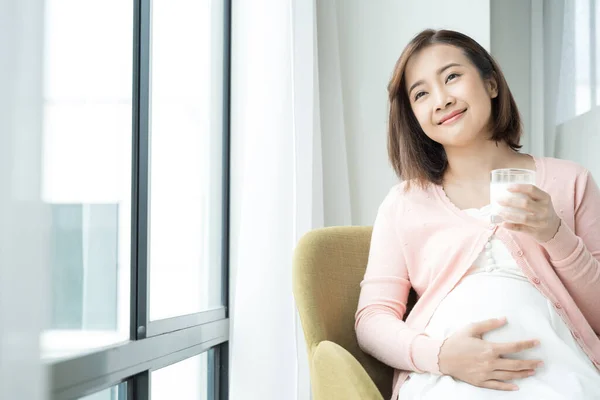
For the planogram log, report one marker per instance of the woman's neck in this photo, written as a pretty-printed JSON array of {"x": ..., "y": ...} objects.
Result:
[{"x": 474, "y": 163}]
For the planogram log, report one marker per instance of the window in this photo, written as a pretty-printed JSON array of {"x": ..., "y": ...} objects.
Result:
[
  {"x": 580, "y": 70},
  {"x": 86, "y": 170},
  {"x": 186, "y": 109},
  {"x": 188, "y": 379},
  {"x": 135, "y": 172},
  {"x": 114, "y": 393}
]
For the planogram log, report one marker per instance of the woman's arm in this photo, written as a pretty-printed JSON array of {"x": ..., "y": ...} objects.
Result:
[
  {"x": 380, "y": 329},
  {"x": 576, "y": 255}
]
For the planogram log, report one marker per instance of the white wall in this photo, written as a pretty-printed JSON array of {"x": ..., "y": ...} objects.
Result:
[
  {"x": 372, "y": 35},
  {"x": 579, "y": 140}
]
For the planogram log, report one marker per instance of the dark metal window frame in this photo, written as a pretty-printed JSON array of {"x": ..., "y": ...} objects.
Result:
[{"x": 155, "y": 344}]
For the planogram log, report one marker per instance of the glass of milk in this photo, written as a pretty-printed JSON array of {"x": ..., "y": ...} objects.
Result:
[{"x": 501, "y": 179}]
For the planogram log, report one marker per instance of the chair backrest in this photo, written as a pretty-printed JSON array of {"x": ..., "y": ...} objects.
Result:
[{"x": 329, "y": 264}]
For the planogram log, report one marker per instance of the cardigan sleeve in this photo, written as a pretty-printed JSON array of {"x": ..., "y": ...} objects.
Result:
[
  {"x": 575, "y": 253},
  {"x": 379, "y": 324}
]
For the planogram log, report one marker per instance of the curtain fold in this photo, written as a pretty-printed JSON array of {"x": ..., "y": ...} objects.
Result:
[
  {"x": 336, "y": 182},
  {"x": 308, "y": 213},
  {"x": 25, "y": 219},
  {"x": 263, "y": 349},
  {"x": 288, "y": 176},
  {"x": 558, "y": 73}
]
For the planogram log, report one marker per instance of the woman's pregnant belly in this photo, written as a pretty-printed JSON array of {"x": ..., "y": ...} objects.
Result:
[
  {"x": 483, "y": 296},
  {"x": 567, "y": 372}
]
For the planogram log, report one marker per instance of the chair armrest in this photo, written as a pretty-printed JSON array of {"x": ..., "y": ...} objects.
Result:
[{"x": 339, "y": 376}]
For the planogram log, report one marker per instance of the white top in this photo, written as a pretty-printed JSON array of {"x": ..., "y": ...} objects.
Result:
[{"x": 495, "y": 287}]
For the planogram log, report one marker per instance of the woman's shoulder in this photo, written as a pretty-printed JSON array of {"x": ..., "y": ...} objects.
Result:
[
  {"x": 405, "y": 193},
  {"x": 409, "y": 190},
  {"x": 565, "y": 178},
  {"x": 559, "y": 169}
]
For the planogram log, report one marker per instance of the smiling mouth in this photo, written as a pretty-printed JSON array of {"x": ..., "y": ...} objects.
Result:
[{"x": 452, "y": 118}]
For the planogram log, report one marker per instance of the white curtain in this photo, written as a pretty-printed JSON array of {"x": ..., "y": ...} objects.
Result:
[
  {"x": 24, "y": 221},
  {"x": 336, "y": 181},
  {"x": 556, "y": 35},
  {"x": 571, "y": 88},
  {"x": 286, "y": 125}
]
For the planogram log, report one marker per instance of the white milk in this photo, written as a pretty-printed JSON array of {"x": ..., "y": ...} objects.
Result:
[{"x": 499, "y": 191}]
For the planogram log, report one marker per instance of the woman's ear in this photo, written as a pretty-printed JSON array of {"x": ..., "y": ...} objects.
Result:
[{"x": 492, "y": 86}]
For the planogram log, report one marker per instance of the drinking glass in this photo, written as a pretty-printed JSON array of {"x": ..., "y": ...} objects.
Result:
[{"x": 501, "y": 179}]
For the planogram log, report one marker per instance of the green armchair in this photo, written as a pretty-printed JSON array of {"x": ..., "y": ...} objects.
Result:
[{"x": 328, "y": 266}]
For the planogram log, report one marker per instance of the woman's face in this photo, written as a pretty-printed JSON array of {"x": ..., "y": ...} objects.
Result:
[{"x": 448, "y": 96}]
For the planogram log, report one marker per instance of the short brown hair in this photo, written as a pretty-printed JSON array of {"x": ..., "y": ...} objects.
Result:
[{"x": 413, "y": 155}]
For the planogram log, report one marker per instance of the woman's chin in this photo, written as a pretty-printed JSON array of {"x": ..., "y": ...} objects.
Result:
[{"x": 460, "y": 139}]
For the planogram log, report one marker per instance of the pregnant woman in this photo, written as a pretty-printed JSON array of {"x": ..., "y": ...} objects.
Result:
[{"x": 505, "y": 310}]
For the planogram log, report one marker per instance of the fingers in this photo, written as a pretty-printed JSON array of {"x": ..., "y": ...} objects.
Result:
[
  {"x": 498, "y": 385},
  {"x": 502, "y": 375},
  {"x": 531, "y": 190},
  {"x": 521, "y": 203},
  {"x": 505, "y": 364},
  {"x": 479, "y": 328},
  {"x": 533, "y": 220},
  {"x": 515, "y": 347},
  {"x": 529, "y": 211}
]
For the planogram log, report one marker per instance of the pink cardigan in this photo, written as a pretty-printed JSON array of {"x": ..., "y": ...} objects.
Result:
[{"x": 421, "y": 239}]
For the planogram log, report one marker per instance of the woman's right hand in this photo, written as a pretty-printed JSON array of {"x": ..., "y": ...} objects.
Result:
[{"x": 466, "y": 356}]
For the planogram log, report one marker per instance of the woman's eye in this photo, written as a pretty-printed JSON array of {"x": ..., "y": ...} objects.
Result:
[
  {"x": 451, "y": 76},
  {"x": 419, "y": 95}
]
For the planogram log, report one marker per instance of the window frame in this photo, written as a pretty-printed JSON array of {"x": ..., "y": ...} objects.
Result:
[{"x": 155, "y": 344}]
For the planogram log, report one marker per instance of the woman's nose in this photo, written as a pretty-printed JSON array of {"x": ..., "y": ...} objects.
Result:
[{"x": 443, "y": 100}]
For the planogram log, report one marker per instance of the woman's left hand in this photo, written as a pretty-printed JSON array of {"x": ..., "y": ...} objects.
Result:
[{"x": 535, "y": 216}]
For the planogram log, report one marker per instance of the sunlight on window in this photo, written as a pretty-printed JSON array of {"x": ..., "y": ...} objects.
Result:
[
  {"x": 87, "y": 169},
  {"x": 113, "y": 393},
  {"x": 191, "y": 376},
  {"x": 186, "y": 150}
]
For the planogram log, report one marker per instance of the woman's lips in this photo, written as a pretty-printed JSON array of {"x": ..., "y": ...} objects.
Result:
[{"x": 453, "y": 118}]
